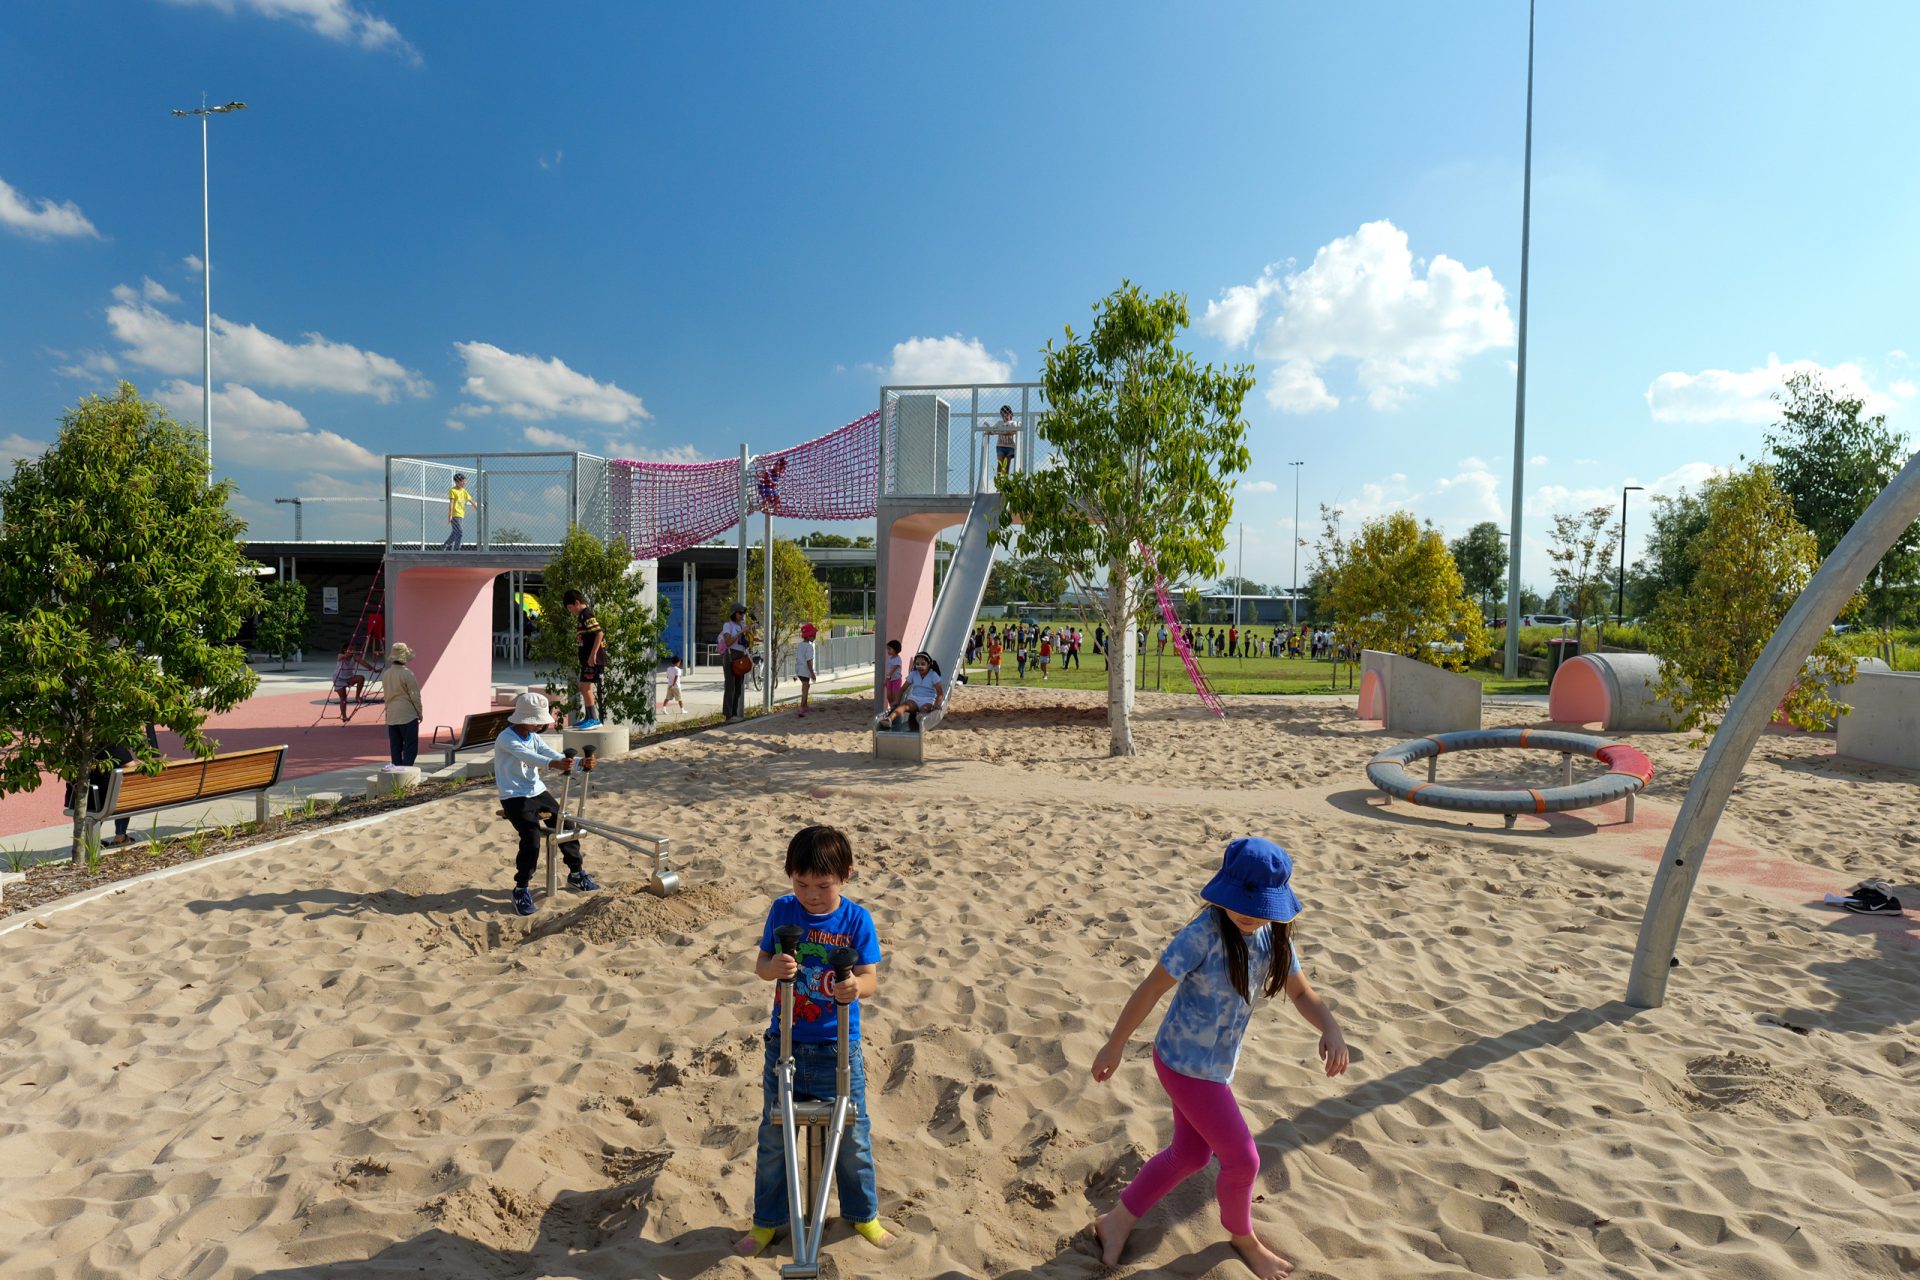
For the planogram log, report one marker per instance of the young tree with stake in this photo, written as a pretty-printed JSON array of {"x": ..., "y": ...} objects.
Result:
[{"x": 1147, "y": 444}]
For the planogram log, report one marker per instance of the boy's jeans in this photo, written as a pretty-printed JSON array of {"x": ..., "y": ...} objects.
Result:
[
  {"x": 454, "y": 535},
  {"x": 853, "y": 1173}
]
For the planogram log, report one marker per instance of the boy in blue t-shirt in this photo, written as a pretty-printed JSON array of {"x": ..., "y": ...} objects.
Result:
[{"x": 819, "y": 864}]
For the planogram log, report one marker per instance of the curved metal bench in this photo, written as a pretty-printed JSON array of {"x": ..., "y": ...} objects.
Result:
[{"x": 1628, "y": 770}]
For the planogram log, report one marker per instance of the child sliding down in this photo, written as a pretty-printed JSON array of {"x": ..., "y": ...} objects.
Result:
[{"x": 1236, "y": 952}]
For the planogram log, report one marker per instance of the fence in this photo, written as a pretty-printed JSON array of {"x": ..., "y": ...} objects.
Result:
[
  {"x": 520, "y": 501},
  {"x": 935, "y": 440}
]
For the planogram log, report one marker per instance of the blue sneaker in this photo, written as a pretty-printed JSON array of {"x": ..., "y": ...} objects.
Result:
[
  {"x": 592, "y": 723},
  {"x": 582, "y": 881},
  {"x": 523, "y": 901}
]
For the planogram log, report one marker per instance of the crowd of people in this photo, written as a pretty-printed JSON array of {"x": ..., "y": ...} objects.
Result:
[{"x": 1039, "y": 646}]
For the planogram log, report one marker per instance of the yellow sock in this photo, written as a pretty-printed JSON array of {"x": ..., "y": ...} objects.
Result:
[
  {"x": 762, "y": 1237},
  {"x": 872, "y": 1232}
]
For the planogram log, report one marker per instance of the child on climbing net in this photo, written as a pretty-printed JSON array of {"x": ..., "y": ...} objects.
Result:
[
  {"x": 1236, "y": 952},
  {"x": 819, "y": 864}
]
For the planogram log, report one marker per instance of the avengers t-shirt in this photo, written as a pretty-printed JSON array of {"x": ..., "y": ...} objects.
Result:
[{"x": 816, "y": 1018}]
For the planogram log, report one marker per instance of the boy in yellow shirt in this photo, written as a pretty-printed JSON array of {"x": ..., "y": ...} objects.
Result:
[{"x": 459, "y": 498}]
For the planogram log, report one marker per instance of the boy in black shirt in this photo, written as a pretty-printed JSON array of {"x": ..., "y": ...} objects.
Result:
[{"x": 593, "y": 658}]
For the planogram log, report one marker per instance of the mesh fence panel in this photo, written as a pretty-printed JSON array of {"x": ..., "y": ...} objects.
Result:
[{"x": 520, "y": 500}]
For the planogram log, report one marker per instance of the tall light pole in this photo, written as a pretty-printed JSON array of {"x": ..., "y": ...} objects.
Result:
[
  {"x": 1293, "y": 603},
  {"x": 206, "y": 277},
  {"x": 1520, "y": 383},
  {"x": 1620, "y": 596}
]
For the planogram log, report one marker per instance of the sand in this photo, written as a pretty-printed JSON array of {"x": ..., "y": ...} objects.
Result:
[{"x": 345, "y": 1058}]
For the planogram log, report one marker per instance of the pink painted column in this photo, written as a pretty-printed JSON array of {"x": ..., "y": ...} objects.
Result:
[
  {"x": 447, "y": 616},
  {"x": 910, "y": 578}
]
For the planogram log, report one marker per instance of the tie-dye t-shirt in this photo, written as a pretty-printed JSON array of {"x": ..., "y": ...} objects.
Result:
[{"x": 1203, "y": 1029}]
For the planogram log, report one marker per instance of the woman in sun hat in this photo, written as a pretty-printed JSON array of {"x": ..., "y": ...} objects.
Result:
[
  {"x": 1238, "y": 951},
  {"x": 402, "y": 693}
]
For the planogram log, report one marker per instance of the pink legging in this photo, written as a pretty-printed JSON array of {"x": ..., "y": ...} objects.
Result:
[{"x": 1206, "y": 1121}]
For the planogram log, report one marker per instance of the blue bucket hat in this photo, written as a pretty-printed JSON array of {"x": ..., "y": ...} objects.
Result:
[{"x": 1254, "y": 879}]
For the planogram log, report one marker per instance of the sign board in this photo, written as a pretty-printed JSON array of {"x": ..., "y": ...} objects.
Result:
[{"x": 329, "y": 600}]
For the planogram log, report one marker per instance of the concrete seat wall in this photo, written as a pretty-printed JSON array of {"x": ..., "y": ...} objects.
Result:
[
  {"x": 1615, "y": 690},
  {"x": 1882, "y": 723},
  {"x": 1411, "y": 696}
]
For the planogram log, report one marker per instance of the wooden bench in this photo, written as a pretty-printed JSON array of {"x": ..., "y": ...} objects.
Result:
[
  {"x": 477, "y": 730},
  {"x": 237, "y": 773}
]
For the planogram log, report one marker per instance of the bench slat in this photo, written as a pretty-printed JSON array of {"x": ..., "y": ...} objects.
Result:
[{"x": 185, "y": 781}]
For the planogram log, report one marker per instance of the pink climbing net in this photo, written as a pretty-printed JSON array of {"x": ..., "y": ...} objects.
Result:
[
  {"x": 1179, "y": 635},
  {"x": 662, "y": 507}
]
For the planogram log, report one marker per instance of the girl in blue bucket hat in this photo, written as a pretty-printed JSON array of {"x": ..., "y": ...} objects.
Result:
[{"x": 1217, "y": 967}]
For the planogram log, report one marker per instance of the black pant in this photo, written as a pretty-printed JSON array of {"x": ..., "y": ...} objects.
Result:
[
  {"x": 525, "y": 812},
  {"x": 403, "y": 743},
  {"x": 730, "y": 703}
]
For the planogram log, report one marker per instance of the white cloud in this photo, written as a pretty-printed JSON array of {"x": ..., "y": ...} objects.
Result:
[
  {"x": 150, "y": 289},
  {"x": 337, "y": 20},
  {"x": 1537, "y": 460},
  {"x": 542, "y": 438},
  {"x": 193, "y": 264},
  {"x": 532, "y": 389},
  {"x": 1471, "y": 464},
  {"x": 88, "y": 366},
  {"x": 679, "y": 453},
  {"x": 252, "y": 430},
  {"x": 247, "y": 353},
  {"x": 1259, "y": 486},
  {"x": 950, "y": 361},
  {"x": 1721, "y": 395},
  {"x": 1904, "y": 389},
  {"x": 454, "y": 424},
  {"x": 1404, "y": 322},
  {"x": 42, "y": 219},
  {"x": 1295, "y": 388},
  {"x": 1556, "y": 499},
  {"x": 1235, "y": 314},
  {"x": 1470, "y": 495},
  {"x": 16, "y": 448},
  {"x": 553, "y": 161}
]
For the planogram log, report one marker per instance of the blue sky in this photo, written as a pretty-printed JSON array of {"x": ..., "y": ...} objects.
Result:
[{"x": 665, "y": 230}]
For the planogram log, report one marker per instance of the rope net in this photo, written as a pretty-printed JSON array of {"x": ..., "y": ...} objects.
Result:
[
  {"x": 662, "y": 507},
  {"x": 1179, "y": 636}
]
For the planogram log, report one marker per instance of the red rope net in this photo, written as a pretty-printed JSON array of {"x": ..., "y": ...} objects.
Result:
[
  {"x": 1179, "y": 637},
  {"x": 662, "y": 507}
]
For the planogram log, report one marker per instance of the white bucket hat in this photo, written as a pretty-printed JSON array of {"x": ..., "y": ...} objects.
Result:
[{"x": 530, "y": 708}]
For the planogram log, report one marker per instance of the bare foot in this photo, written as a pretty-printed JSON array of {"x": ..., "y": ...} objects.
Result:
[
  {"x": 1260, "y": 1258},
  {"x": 1111, "y": 1229}
]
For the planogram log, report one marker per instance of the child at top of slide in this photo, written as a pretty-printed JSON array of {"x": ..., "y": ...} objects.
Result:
[{"x": 1237, "y": 952}]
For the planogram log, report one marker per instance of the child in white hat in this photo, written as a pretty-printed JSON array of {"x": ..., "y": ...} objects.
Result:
[{"x": 519, "y": 755}]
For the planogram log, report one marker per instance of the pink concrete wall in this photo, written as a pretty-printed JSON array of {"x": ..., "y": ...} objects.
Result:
[
  {"x": 1580, "y": 694},
  {"x": 910, "y": 577},
  {"x": 447, "y": 616},
  {"x": 1373, "y": 696}
]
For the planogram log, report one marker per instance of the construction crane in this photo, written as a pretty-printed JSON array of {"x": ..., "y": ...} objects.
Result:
[{"x": 297, "y": 503}]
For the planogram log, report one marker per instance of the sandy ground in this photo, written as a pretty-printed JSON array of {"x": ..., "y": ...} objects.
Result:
[{"x": 346, "y": 1058}]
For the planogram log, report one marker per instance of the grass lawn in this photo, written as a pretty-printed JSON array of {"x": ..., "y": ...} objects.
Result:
[{"x": 1229, "y": 675}]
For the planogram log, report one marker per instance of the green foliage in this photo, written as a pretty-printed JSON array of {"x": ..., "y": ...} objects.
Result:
[
  {"x": 1147, "y": 444},
  {"x": 509, "y": 537},
  {"x": 1394, "y": 587},
  {"x": 798, "y": 597},
  {"x": 281, "y": 628},
  {"x": 18, "y": 860},
  {"x": 599, "y": 571},
  {"x": 1025, "y": 580},
  {"x": 1833, "y": 463},
  {"x": 1671, "y": 555},
  {"x": 122, "y": 586},
  {"x": 1481, "y": 556},
  {"x": 1753, "y": 559},
  {"x": 1579, "y": 555},
  {"x": 95, "y": 854}
]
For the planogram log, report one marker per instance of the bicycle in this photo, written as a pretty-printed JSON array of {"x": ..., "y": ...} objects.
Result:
[{"x": 756, "y": 678}]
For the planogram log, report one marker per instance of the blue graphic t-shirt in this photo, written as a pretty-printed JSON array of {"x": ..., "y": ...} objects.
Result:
[
  {"x": 1203, "y": 1029},
  {"x": 815, "y": 1015}
]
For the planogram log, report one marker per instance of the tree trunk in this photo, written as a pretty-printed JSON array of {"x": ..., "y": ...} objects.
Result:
[{"x": 1122, "y": 647}]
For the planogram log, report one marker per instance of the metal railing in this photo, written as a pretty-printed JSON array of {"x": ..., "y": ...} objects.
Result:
[
  {"x": 937, "y": 440},
  {"x": 519, "y": 501}
]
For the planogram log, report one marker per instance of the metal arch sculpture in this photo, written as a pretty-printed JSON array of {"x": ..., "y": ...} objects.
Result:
[
  {"x": 1897, "y": 507},
  {"x": 1628, "y": 770}
]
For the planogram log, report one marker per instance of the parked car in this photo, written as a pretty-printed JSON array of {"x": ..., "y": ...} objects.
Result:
[{"x": 1546, "y": 620}]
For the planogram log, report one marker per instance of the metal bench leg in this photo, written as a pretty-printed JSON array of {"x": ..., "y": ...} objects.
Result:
[{"x": 262, "y": 809}]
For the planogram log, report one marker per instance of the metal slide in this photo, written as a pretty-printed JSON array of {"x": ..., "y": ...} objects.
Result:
[{"x": 960, "y": 595}]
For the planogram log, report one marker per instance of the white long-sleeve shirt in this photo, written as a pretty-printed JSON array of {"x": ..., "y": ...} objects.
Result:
[{"x": 518, "y": 763}]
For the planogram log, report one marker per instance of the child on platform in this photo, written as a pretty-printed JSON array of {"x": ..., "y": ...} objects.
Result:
[
  {"x": 1236, "y": 953},
  {"x": 803, "y": 663},
  {"x": 819, "y": 864}
]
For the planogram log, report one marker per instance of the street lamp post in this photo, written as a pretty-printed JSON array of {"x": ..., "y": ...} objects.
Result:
[
  {"x": 1520, "y": 382},
  {"x": 1293, "y": 604},
  {"x": 206, "y": 276},
  {"x": 1620, "y": 592}
]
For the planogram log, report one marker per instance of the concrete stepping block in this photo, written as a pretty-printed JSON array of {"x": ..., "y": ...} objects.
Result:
[
  {"x": 608, "y": 740},
  {"x": 383, "y": 784}
]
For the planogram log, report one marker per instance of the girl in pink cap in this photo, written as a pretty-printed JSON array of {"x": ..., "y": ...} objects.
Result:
[{"x": 1237, "y": 952}]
